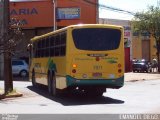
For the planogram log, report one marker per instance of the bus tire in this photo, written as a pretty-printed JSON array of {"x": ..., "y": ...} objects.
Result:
[
  {"x": 49, "y": 83},
  {"x": 54, "y": 89},
  {"x": 52, "y": 84},
  {"x": 33, "y": 78}
]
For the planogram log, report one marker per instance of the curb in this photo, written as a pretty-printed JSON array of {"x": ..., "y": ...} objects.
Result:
[{"x": 2, "y": 96}]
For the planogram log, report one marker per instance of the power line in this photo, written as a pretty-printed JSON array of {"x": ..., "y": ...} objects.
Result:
[{"x": 109, "y": 8}]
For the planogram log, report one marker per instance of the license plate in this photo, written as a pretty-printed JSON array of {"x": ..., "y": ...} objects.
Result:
[{"x": 97, "y": 75}]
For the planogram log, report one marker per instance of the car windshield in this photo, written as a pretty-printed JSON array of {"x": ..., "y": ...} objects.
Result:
[{"x": 141, "y": 61}]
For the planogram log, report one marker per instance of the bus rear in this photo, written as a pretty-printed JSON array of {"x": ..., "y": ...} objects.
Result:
[{"x": 95, "y": 56}]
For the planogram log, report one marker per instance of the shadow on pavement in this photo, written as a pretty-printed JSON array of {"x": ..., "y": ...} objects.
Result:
[{"x": 74, "y": 98}]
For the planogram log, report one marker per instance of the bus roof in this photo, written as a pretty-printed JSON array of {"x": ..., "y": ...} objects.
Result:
[{"x": 75, "y": 26}]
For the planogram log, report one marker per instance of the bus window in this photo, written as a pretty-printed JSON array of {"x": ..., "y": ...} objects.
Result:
[{"x": 96, "y": 39}]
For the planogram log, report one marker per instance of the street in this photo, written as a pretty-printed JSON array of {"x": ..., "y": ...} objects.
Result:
[{"x": 135, "y": 97}]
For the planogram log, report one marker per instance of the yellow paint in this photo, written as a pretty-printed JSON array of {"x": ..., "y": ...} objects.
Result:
[
  {"x": 137, "y": 47},
  {"x": 79, "y": 60}
]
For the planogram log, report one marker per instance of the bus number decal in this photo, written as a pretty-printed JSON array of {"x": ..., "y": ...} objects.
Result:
[
  {"x": 97, "y": 67},
  {"x": 112, "y": 60}
]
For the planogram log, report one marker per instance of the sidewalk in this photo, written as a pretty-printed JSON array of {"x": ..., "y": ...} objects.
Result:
[{"x": 141, "y": 76}]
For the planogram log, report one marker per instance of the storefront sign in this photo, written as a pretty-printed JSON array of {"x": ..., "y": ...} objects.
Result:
[
  {"x": 24, "y": 11},
  {"x": 127, "y": 36},
  {"x": 32, "y": 14},
  {"x": 68, "y": 13}
]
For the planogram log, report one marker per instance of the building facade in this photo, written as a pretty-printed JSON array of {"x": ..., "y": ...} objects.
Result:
[
  {"x": 42, "y": 16},
  {"x": 137, "y": 46},
  {"x": 144, "y": 46}
]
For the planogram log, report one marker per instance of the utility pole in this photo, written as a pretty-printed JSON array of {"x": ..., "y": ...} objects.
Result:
[
  {"x": 8, "y": 79},
  {"x": 1, "y": 36},
  {"x": 54, "y": 14},
  {"x": 97, "y": 12}
]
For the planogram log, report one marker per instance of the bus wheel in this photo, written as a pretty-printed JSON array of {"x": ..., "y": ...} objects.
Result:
[
  {"x": 54, "y": 89},
  {"x": 49, "y": 83},
  {"x": 52, "y": 84},
  {"x": 33, "y": 78}
]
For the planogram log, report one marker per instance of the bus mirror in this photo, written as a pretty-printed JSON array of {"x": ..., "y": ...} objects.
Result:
[{"x": 29, "y": 47}]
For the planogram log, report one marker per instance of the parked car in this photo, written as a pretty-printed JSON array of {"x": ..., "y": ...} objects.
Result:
[
  {"x": 141, "y": 65},
  {"x": 20, "y": 67}
]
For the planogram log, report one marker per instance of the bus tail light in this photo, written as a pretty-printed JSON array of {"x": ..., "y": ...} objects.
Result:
[
  {"x": 74, "y": 65},
  {"x": 119, "y": 70},
  {"x": 74, "y": 71},
  {"x": 119, "y": 65}
]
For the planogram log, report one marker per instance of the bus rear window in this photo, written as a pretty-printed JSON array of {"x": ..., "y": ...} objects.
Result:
[{"x": 96, "y": 39}]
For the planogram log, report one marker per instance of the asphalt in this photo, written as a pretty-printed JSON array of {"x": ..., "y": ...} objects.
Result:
[{"x": 130, "y": 76}]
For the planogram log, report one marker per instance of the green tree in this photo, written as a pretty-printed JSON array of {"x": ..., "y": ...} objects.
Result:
[{"x": 149, "y": 21}]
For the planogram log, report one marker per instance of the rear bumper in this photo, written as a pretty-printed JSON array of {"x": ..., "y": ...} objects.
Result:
[
  {"x": 107, "y": 83},
  {"x": 139, "y": 69}
]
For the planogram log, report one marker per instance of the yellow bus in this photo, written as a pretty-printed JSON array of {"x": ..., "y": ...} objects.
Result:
[{"x": 87, "y": 57}]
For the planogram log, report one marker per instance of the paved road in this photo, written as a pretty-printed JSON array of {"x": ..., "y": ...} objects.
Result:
[{"x": 134, "y": 97}]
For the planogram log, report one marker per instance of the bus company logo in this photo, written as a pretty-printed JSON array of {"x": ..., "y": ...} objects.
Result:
[
  {"x": 51, "y": 65},
  {"x": 97, "y": 55},
  {"x": 112, "y": 60},
  {"x": 88, "y": 59}
]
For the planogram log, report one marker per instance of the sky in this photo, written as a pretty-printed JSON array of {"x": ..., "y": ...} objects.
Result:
[{"x": 129, "y": 5}]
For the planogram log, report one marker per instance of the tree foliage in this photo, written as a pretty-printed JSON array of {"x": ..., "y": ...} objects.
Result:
[
  {"x": 12, "y": 38},
  {"x": 8, "y": 43},
  {"x": 149, "y": 21}
]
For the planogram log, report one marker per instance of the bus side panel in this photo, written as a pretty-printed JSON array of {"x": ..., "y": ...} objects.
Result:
[
  {"x": 60, "y": 72},
  {"x": 41, "y": 67}
]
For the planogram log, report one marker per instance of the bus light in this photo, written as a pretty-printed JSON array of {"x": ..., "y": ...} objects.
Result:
[
  {"x": 119, "y": 70},
  {"x": 74, "y": 71},
  {"x": 74, "y": 65},
  {"x": 119, "y": 65}
]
